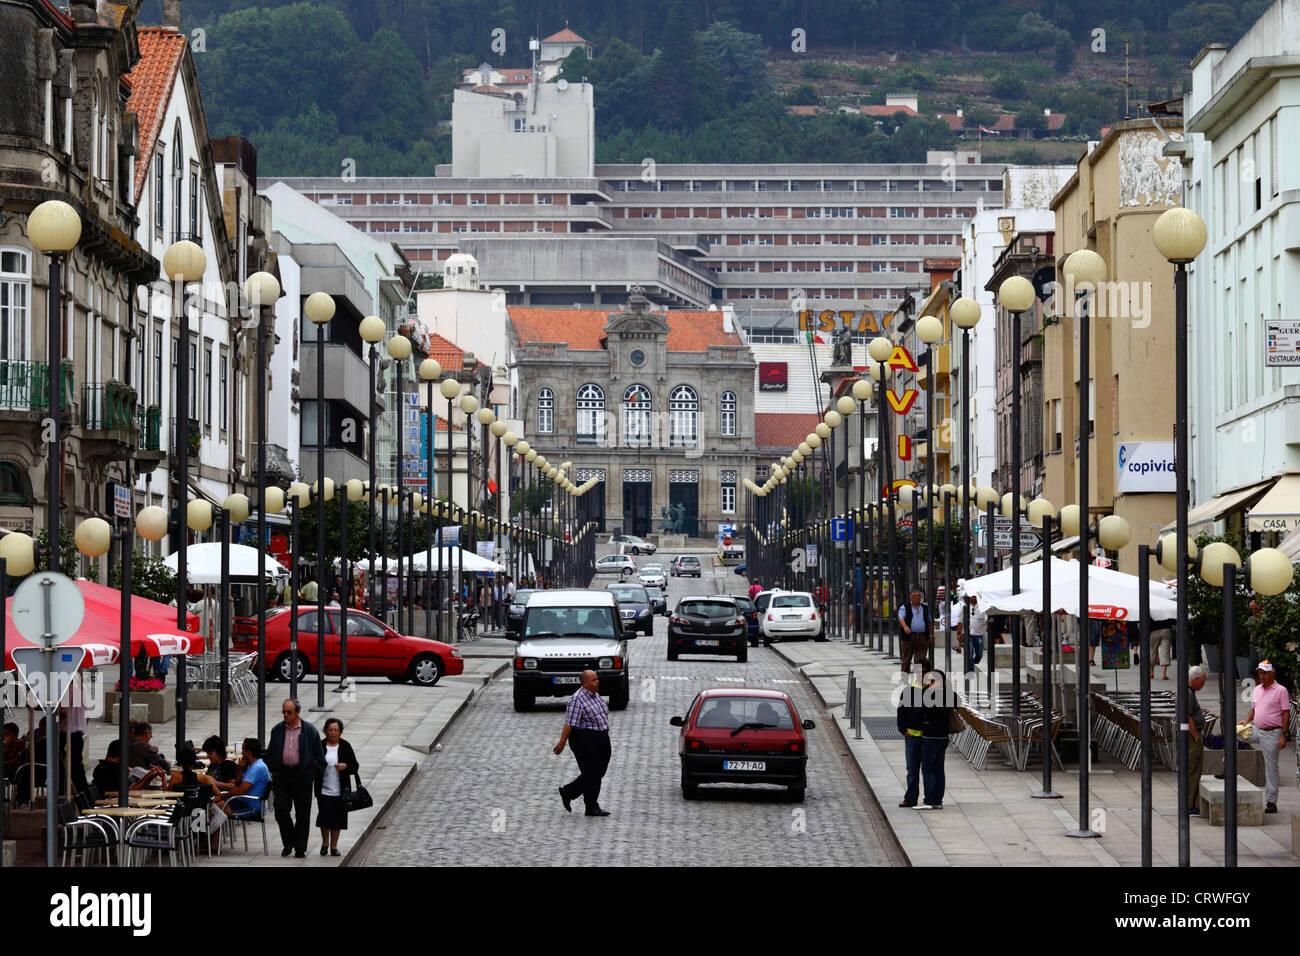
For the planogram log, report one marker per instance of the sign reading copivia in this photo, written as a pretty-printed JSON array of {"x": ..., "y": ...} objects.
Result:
[{"x": 1146, "y": 466}]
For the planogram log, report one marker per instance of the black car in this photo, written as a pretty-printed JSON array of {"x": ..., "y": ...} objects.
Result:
[
  {"x": 515, "y": 610},
  {"x": 708, "y": 624},
  {"x": 658, "y": 601},
  {"x": 751, "y": 619}
]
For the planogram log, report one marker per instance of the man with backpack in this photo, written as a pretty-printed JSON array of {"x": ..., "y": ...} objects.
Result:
[{"x": 918, "y": 632}]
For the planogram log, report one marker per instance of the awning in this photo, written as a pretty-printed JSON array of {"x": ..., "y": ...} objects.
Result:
[
  {"x": 1065, "y": 544},
  {"x": 1211, "y": 511},
  {"x": 203, "y": 493},
  {"x": 1290, "y": 546},
  {"x": 1279, "y": 510}
]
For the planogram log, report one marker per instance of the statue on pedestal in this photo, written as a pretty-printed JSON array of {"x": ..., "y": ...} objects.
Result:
[
  {"x": 841, "y": 348},
  {"x": 666, "y": 524}
]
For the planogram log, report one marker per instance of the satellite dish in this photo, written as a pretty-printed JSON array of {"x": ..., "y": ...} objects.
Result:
[{"x": 562, "y": 84}]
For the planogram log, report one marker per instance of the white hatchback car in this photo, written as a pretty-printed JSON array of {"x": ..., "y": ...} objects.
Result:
[
  {"x": 619, "y": 564},
  {"x": 652, "y": 576},
  {"x": 792, "y": 614}
]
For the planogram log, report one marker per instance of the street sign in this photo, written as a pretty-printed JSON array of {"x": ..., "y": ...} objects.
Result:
[
  {"x": 1281, "y": 342},
  {"x": 484, "y": 549},
  {"x": 810, "y": 555},
  {"x": 48, "y": 679},
  {"x": 48, "y": 608},
  {"x": 841, "y": 529},
  {"x": 449, "y": 535},
  {"x": 1002, "y": 540}
]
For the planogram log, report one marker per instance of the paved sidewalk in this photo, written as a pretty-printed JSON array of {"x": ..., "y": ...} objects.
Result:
[
  {"x": 392, "y": 727},
  {"x": 989, "y": 819}
]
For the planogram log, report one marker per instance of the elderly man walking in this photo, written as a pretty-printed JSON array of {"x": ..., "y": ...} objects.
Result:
[
  {"x": 296, "y": 757},
  {"x": 1196, "y": 733},
  {"x": 918, "y": 630},
  {"x": 1271, "y": 714},
  {"x": 586, "y": 730}
]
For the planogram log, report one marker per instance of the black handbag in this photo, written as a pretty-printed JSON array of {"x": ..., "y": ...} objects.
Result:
[{"x": 358, "y": 799}]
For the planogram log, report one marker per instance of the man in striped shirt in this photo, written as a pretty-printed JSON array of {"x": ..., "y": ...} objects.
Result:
[{"x": 586, "y": 730}]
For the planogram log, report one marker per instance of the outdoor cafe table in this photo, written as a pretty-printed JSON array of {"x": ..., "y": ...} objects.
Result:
[{"x": 121, "y": 812}]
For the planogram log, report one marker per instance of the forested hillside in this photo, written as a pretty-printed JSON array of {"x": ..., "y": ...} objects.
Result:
[{"x": 314, "y": 83}]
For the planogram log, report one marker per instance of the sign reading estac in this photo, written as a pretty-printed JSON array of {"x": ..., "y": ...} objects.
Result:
[
  {"x": 773, "y": 376},
  {"x": 1146, "y": 466}
]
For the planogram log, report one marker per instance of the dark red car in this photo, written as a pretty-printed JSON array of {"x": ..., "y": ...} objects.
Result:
[
  {"x": 373, "y": 648},
  {"x": 743, "y": 735}
]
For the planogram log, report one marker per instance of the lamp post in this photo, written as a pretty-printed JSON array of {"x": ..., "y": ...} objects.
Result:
[
  {"x": 319, "y": 308},
  {"x": 880, "y": 351},
  {"x": 353, "y": 490},
  {"x": 430, "y": 369},
  {"x": 1179, "y": 235},
  {"x": 1016, "y": 295},
  {"x": 54, "y": 228},
  {"x": 1084, "y": 271},
  {"x": 322, "y": 491},
  {"x": 399, "y": 350},
  {"x": 183, "y": 262},
  {"x": 262, "y": 289},
  {"x": 965, "y": 314},
  {"x": 862, "y": 392},
  {"x": 468, "y": 406},
  {"x": 299, "y": 496},
  {"x": 947, "y": 494},
  {"x": 372, "y": 331},
  {"x": 1042, "y": 513}
]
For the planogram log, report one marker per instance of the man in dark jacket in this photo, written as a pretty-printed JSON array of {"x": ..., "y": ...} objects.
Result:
[
  {"x": 910, "y": 714},
  {"x": 295, "y": 758}
]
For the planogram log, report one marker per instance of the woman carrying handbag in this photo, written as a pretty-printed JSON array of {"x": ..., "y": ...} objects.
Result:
[{"x": 334, "y": 787}]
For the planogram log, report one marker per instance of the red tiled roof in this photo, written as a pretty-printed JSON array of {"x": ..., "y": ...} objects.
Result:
[
  {"x": 783, "y": 429},
  {"x": 152, "y": 81},
  {"x": 511, "y": 74},
  {"x": 1005, "y": 124},
  {"x": 584, "y": 329},
  {"x": 1056, "y": 121},
  {"x": 564, "y": 36},
  {"x": 447, "y": 353},
  {"x": 955, "y": 123},
  {"x": 887, "y": 110}
]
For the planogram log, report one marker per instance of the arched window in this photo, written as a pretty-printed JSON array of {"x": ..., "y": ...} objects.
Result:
[
  {"x": 683, "y": 416},
  {"x": 545, "y": 411},
  {"x": 13, "y": 493},
  {"x": 729, "y": 413},
  {"x": 637, "y": 408},
  {"x": 591, "y": 415}
]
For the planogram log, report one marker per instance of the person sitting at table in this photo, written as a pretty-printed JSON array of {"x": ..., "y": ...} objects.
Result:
[
  {"x": 15, "y": 750},
  {"x": 143, "y": 754},
  {"x": 185, "y": 775},
  {"x": 223, "y": 771},
  {"x": 245, "y": 800},
  {"x": 106, "y": 775}
]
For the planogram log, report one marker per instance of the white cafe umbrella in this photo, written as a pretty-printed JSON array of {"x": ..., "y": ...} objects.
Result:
[
  {"x": 203, "y": 563},
  {"x": 451, "y": 558},
  {"x": 1111, "y": 594}
]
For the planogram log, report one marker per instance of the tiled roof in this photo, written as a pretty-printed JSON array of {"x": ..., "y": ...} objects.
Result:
[
  {"x": 511, "y": 74},
  {"x": 489, "y": 90},
  {"x": 887, "y": 110},
  {"x": 783, "y": 429},
  {"x": 564, "y": 36},
  {"x": 446, "y": 352},
  {"x": 152, "y": 81},
  {"x": 584, "y": 329},
  {"x": 1056, "y": 121},
  {"x": 955, "y": 123}
]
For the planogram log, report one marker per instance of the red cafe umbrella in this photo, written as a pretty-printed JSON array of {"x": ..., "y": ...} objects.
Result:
[{"x": 153, "y": 628}]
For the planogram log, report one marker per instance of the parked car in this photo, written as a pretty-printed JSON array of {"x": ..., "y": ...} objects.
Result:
[
  {"x": 633, "y": 544},
  {"x": 684, "y": 565},
  {"x": 653, "y": 575},
  {"x": 373, "y": 648},
  {"x": 743, "y": 735},
  {"x": 564, "y": 633},
  {"x": 658, "y": 601},
  {"x": 792, "y": 614},
  {"x": 616, "y": 564},
  {"x": 707, "y": 624},
  {"x": 515, "y": 610},
  {"x": 752, "y": 629},
  {"x": 762, "y": 598},
  {"x": 634, "y": 608}
]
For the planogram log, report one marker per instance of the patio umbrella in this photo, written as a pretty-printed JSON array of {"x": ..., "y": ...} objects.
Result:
[
  {"x": 420, "y": 561},
  {"x": 203, "y": 563},
  {"x": 1112, "y": 595}
]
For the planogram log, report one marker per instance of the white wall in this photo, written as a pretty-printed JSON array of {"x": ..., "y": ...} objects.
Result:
[
  {"x": 283, "y": 416},
  {"x": 484, "y": 142}
]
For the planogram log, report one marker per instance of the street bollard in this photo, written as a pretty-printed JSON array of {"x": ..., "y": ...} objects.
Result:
[
  {"x": 857, "y": 714},
  {"x": 848, "y": 696}
]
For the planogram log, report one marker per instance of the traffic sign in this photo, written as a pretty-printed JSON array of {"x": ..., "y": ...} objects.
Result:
[
  {"x": 48, "y": 674},
  {"x": 48, "y": 608},
  {"x": 841, "y": 529}
]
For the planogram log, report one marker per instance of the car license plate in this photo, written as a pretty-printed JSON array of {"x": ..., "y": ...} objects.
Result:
[
  {"x": 706, "y": 643},
  {"x": 744, "y": 765},
  {"x": 789, "y": 617},
  {"x": 575, "y": 679}
]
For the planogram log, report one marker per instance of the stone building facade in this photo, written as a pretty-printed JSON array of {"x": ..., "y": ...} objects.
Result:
[
  {"x": 65, "y": 134},
  {"x": 658, "y": 406}
]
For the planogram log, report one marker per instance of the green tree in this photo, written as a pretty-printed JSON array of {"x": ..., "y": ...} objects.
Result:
[
  {"x": 805, "y": 94},
  {"x": 1196, "y": 25},
  {"x": 679, "y": 74},
  {"x": 738, "y": 57},
  {"x": 384, "y": 103},
  {"x": 358, "y": 528},
  {"x": 150, "y": 578}
]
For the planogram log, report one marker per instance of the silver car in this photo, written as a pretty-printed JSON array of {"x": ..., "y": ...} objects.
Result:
[{"x": 652, "y": 575}]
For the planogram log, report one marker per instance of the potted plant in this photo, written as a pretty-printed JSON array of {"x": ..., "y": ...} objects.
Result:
[{"x": 149, "y": 692}]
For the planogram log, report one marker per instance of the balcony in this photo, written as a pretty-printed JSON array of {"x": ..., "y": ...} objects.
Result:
[
  {"x": 109, "y": 421},
  {"x": 149, "y": 450},
  {"x": 24, "y": 386}
]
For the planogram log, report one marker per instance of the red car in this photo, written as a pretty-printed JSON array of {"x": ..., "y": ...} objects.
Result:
[
  {"x": 373, "y": 649},
  {"x": 743, "y": 735}
]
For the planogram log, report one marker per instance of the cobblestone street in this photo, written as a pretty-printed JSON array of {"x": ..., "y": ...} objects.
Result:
[{"x": 489, "y": 796}]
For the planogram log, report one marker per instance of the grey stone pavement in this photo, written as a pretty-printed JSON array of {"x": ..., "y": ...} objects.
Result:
[
  {"x": 392, "y": 728},
  {"x": 489, "y": 796},
  {"x": 989, "y": 818}
]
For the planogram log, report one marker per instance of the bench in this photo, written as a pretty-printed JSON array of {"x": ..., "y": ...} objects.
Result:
[{"x": 1250, "y": 802}]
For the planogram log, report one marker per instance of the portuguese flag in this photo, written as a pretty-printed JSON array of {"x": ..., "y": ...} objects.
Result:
[{"x": 812, "y": 337}]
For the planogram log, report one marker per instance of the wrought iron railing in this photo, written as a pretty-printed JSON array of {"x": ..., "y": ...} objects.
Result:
[
  {"x": 25, "y": 386},
  {"x": 111, "y": 406},
  {"x": 150, "y": 425}
]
